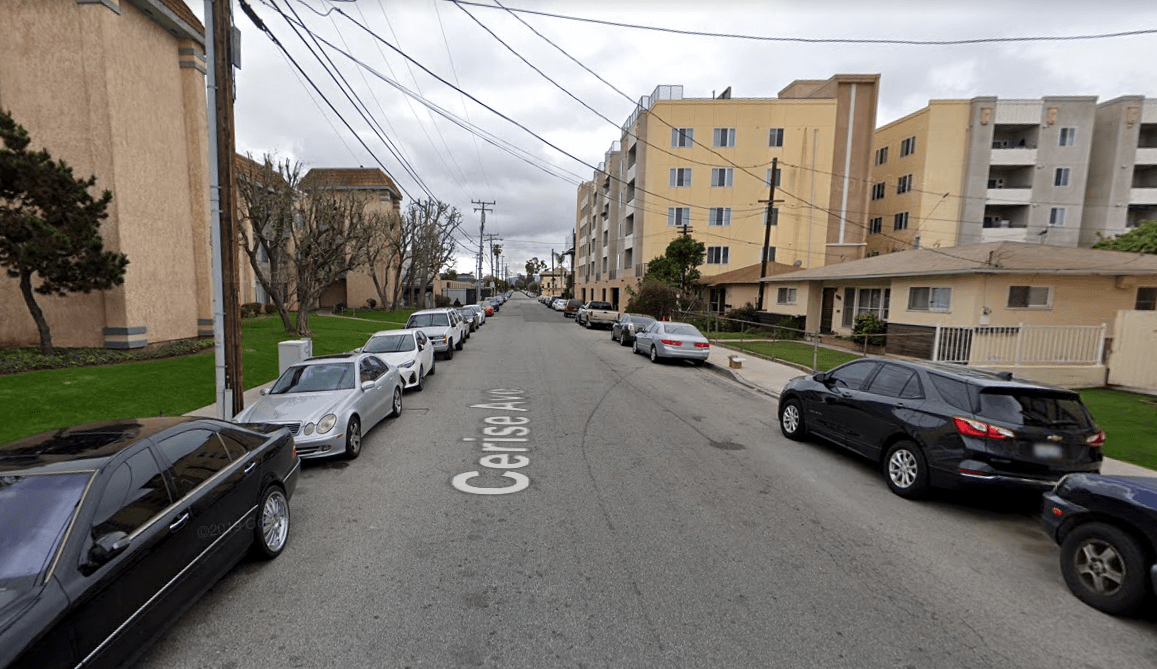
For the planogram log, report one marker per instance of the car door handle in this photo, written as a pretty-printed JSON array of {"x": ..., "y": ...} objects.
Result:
[
  {"x": 179, "y": 522},
  {"x": 250, "y": 468}
]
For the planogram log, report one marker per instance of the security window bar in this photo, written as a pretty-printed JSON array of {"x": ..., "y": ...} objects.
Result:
[
  {"x": 1029, "y": 297},
  {"x": 678, "y": 216},
  {"x": 722, "y": 177},
  {"x": 775, "y": 137},
  {"x": 724, "y": 137},
  {"x": 682, "y": 137},
  {"x": 680, "y": 177},
  {"x": 929, "y": 299},
  {"x": 717, "y": 255}
]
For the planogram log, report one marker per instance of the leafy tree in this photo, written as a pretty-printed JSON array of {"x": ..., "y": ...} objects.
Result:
[
  {"x": 1142, "y": 239},
  {"x": 49, "y": 226},
  {"x": 654, "y": 298},
  {"x": 678, "y": 266}
]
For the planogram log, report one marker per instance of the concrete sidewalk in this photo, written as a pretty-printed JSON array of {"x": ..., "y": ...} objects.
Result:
[
  {"x": 251, "y": 396},
  {"x": 769, "y": 377}
]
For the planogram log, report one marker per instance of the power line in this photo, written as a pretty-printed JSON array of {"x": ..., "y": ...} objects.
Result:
[{"x": 821, "y": 40}]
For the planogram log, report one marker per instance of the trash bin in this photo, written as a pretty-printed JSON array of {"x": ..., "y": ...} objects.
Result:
[{"x": 291, "y": 352}]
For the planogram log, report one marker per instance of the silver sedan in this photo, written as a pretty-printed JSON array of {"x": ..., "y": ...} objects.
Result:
[
  {"x": 328, "y": 401},
  {"x": 672, "y": 340}
]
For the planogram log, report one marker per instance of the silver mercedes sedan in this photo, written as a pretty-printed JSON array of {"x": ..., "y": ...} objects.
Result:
[
  {"x": 329, "y": 401},
  {"x": 672, "y": 340}
]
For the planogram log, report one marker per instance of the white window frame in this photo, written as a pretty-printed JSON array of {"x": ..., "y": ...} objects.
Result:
[
  {"x": 904, "y": 184},
  {"x": 785, "y": 295},
  {"x": 770, "y": 252},
  {"x": 939, "y": 299},
  {"x": 682, "y": 138},
  {"x": 778, "y": 177},
  {"x": 881, "y": 155},
  {"x": 1062, "y": 176},
  {"x": 900, "y": 221},
  {"x": 677, "y": 217},
  {"x": 775, "y": 137},
  {"x": 718, "y": 255},
  {"x": 723, "y": 138},
  {"x": 722, "y": 177},
  {"x": 1067, "y": 136},
  {"x": 879, "y": 190},
  {"x": 680, "y": 177},
  {"x": 1057, "y": 217},
  {"x": 908, "y": 146},
  {"x": 876, "y": 225},
  {"x": 1029, "y": 304},
  {"x": 718, "y": 216}
]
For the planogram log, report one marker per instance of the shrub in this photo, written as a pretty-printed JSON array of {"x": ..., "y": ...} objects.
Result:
[
  {"x": 271, "y": 308},
  {"x": 339, "y": 308},
  {"x": 441, "y": 301},
  {"x": 251, "y": 309},
  {"x": 654, "y": 298},
  {"x": 371, "y": 303},
  {"x": 870, "y": 324}
]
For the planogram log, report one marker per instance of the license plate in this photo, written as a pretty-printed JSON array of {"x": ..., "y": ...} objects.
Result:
[{"x": 1047, "y": 451}]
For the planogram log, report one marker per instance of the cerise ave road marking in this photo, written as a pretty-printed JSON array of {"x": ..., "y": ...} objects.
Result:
[{"x": 503, "y": 438}]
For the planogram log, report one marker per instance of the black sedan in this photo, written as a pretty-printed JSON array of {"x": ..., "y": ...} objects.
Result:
[
  {"x": 111, "y": 530},
  {"x": 930, "y": 424},
  {"x": 1107, "y": 529}
]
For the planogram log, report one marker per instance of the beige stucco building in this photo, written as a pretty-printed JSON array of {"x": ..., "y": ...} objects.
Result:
[
  {"x": 706, "y": 163},
  {"x": 1058, "y": 170},
  {"x": 117, "y": 90}
]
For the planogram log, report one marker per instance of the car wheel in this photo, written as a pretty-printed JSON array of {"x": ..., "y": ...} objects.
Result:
[
  {"x": 654, "y": 354},
  {"x": 905, "y": 470},
  {"x": 271, "y": 531},
  {"x": 1105, "y": 568},
  {"x": 353, "y": 439},
  {"x": 635, "y": 346},
  {"x": 613, "y": 337},
  {"x": 396, "y": 406},
  {"x": 623, "y": 340},
  {"x": 459, "y": 345},
  {"x": 433, "y": 365},
  {"x": 791, "y": 420},
  {"x": 449, "y": 354},
  {"x": 421, "y": 382}
]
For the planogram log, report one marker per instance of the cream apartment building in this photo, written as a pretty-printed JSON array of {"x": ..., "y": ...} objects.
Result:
[
  {"x": 1059, "y": 170},
  {"x": 705, "y": 163}
]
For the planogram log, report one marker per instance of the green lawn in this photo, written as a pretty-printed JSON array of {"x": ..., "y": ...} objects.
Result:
[
  {"x": 1129, "y": 421},
  {"x": 797, "y": 352},
  {"x": 32, "y": 402}
]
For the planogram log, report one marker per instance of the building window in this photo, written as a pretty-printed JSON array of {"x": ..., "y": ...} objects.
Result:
[
  {"x": 1146, "y": 298},
  {"x": 678, "y": 216},
  {"x": 774, "y": 216},
  {"x": 630, "y": 190},
  {"x": 1057, "y": 216},
  {"x": 1029, "y": 297},
  {"x": 881, "y": 155},
  {"x": 876, "y": 225},
  {"x": 1062, "y": 177},
  {"x": 785, "y": 296},
  {"x": 721, "y": 177},
  {"x": 717, "y": 255},
  {"x": 719, "y": 216},
  {"x": 866, "y": 301},
  {"x": 680, "y": 177},
  {"x": 775, "y": 137},
  {"x": 908, "y": 147},
  {"x": 929, "y": 299},
  {"x": 878, "y": 190},
  {"x": 681, "y": 137},
  {"x": 904, "y": 184},
  {"x": 724, "y": 137},
  {"x": 778, "y": 177},
  {"x": 770, "y": 254},
  {"x": 900, "y": 221},
  {"x": 1068, "y": 136}
]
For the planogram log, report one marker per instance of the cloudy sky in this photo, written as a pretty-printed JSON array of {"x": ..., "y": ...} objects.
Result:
[{"x": 277, "y": 110}]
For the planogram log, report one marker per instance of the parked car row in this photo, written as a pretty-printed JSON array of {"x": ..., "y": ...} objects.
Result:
[
  {"x": 657, "y": 339},
  {"x": 110, "y": 530}
]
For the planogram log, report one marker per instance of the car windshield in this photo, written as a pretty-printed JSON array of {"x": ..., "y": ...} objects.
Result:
[
  {"x": 681, "y": 329},
  {"x": 599, "y": 305},
  {"x": 642, "y": 320},
  {"x": 1020, "y": 406},
  {"x": 390, "y": 344},
  {"x": 315, "y": 378},
  {"x": 428, "y": 321},
  {"x": 35, "y": 512}
]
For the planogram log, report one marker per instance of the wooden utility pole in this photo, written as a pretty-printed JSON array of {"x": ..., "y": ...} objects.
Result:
[
  {"x": 481, "y": 232},
  {"x": 767, "y": 230},
  {"x": 222, "y": 93}
]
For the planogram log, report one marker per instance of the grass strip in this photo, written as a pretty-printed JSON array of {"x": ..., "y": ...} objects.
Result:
[
  {"x": 798, "y": 353},
  {"x": 1129, "y": 421}
]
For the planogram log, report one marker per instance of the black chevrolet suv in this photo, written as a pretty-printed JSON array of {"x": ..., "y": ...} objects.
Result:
[{"x": 930, "y": 424}]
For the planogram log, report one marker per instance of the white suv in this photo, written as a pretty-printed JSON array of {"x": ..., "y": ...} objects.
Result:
[{"x": 442, "y": 326}]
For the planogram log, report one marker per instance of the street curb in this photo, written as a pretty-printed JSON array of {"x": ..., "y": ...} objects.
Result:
[
  {"x": 728, "y": 374},
  {"x": 803, "y": 368}
]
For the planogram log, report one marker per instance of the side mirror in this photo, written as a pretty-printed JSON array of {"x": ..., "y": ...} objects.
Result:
[
  {"x": 822, "y": 377},
  {"x": 264, "y": 391},
  {"x": 357, "y": 350},
  {"x": 367, "y": 385},
  {"x": 107, "y": 547}
]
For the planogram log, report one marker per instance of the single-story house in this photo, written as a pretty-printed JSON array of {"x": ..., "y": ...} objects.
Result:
[{"x": 740, "y": 287}]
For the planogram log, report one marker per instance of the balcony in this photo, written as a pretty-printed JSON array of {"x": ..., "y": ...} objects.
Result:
[
  {"x": 1013, "y": 156},
  {"x": 1146, "y": 157},
  {"x": 1143, "y": 196},
  {"x": 1004, "y": 235},
  {"x": 999, "y": 196}
]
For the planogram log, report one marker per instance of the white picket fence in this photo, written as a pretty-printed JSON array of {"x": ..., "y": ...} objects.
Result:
[{"x": 1020, "y": 344}]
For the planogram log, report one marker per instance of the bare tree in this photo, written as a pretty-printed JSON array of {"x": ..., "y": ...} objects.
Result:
[
  {"x": 381, "y": 256},
  {"x": 330, "y": 237},
  {"x": 430, "y": 226},
  {"x": 268, "y": 204}
]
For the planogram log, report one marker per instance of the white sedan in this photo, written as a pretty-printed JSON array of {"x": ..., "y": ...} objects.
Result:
[
  {"x": 664, "y": 339},
  {"x": 411, "y": 351}
]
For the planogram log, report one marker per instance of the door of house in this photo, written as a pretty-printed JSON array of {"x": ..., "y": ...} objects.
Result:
[{"x": 829, "y": 308}]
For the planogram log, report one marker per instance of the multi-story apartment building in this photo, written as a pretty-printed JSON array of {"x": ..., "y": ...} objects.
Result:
[
  {"x": 1058, "y": 170},
  {"x": 703, "y": 165}
]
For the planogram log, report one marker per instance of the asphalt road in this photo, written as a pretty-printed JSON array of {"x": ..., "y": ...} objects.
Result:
[{"x": 665, "y": 522}]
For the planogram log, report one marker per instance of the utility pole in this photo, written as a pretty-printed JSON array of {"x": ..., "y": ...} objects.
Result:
[
  {"x": 481, "y": 231},
  {"x": 223, "y": 234},
  {"x": 686, "y": 230},
  {"x": 767, "y": 229},
  {"x": 490, "y": 239}
]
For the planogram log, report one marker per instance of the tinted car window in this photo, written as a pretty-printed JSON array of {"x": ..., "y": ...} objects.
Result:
[
  {"x": 853, "y": 374},
  {"x": 34, "y": 513},
  {"x": 247, "y": 440},
  {"x": 390, "y": 344},
  {"x": 370, "y": 371},
  {"x": 196, "y": 455},
  {"x": 135, "y": 493},
  {"x": 913, "y": 390},
  {"x": 954, "y": 392},
  {"x": 891, "y": 381},
  {"x": 428, "y": 320},
  {"x": 1031, "y": 408}
]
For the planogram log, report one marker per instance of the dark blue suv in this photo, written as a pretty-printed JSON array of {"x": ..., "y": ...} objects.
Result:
[{"x": 929, "y": 424}]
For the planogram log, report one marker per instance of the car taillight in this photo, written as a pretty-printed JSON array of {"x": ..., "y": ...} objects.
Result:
[
  {"x": 1096, "y": 440},
  {"x": 671, "y": 342},
  {"x": 702, "y": 344},
  {"x": 975, "y": 428}
]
